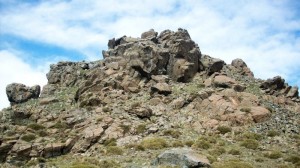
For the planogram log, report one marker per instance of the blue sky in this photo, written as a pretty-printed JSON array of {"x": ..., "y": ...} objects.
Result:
[{"x": 36, "y": 33}]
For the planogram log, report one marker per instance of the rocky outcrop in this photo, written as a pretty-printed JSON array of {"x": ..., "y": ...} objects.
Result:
[
  {"x": 182, "y": 157},
  {"x": 19, "y": 93},
  {"x": 171, "y": 53},
  {"x": 277, "y": 86},
  {"x": 242, "y": 67},
  {"x": 152, "y": 92}
]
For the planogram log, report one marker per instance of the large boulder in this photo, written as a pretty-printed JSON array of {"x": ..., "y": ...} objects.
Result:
[
  {"x": 182, "y": 157},
  {"x": 19, "y": 93},
  {"x": 211, "y": 65},
  {"x": 242, "y": 67}
]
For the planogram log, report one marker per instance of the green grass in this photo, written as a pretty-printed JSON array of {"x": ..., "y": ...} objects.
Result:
[
  {"x": 114, "y": 150},
  {"x": 273, "y": 155},
  {"x": 250, "y": 144},
  {"x": 28, "y": 137},
  {"x": 141, "y": 128},
  {"x": 224, "y": 129},
  {"x": 232, "y": 164},
  {"x": 154, "y": 143},
  {"x": 173, "y": 133},
  {"x": 35, "y": 126}
]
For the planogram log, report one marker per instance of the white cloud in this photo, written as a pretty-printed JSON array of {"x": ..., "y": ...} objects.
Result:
[
  {"x": 260, "y": 32},
  {"x": 13, "y": 69}
]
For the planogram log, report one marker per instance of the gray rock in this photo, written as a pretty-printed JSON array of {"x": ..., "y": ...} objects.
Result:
[
  {"x": 19, "y": 93},
  {"x": 211, "y": 65},
  {"x": 293, "y": 92},
  {"x": 182, "y": 157},
  {"x": 149, "y": 34}
]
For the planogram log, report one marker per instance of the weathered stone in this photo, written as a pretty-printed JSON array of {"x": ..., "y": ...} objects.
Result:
[
  {"x": 223, "y": 81},
  {"x": 141, "y": 112},
  {"x": 242, "y": 67},
  {"x": 275, "y": 83},
  {"x": 48, "y": 100},
  {"x": 260, "y": 114},
  {"x": 161, "y": 88},
  {"x": 149, "y": 34},
  {"x": 19, "y": 93},
  {"x": 293, "y": 92},
  {"x": 211, "y": 65},
  {"x": 182, "y": 157}
]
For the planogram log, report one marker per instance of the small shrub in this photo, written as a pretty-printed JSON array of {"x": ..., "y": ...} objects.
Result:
[
  {"x": 232, "y": 164},
  {"x": 60, "y": 125},
  {"x": 28, "y": 137},
  {"x": 293, "y": 158},
  {"x": 10, "y": 133},
  {"x": 272, "y": 133},
  {"x": 250, "y": 144},
  {"x": 35, "y": 126},
  {"x": 224, "y": 129},
  {"x": 211, "y": 159},
  {"x": 273, "y": 155},
  {"x": 114, "y": 150},
  {"x": 209, "y": 139},
  {"x": 202, "y": 144},
  {"x": 177, "y": 144},
  {"x": 154, "y": 143},
  {"x": 42, "y": 133},
  {"x": 217, "y": 151},
  {"x": 251, "y": 135},
  {"x": 259, "y": 159},
  {"x": 172, "y": 133},
  {"x": 245, "y": 109},
  {"x": 140, "y": 128},
  {"x": 82, "y": 165},
  {"x": 189, "y": 143},
  {"x": 125, "y": 128},
  {"x": 108, "y": 163},
  {"x": 234, "y": 152},
  {"x": 110, "y": 142}
]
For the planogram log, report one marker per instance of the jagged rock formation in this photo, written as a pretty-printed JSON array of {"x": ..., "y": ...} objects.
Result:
[{"x": 147, "y": 91}]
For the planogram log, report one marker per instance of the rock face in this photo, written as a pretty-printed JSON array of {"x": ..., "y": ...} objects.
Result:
[
  {"x": 172, "y": 53},
  {"x": 183, "y": 158},
  {"x": 19, "y": 93}
]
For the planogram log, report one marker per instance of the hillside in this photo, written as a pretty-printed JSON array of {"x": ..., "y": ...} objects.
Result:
[{"x": 153, "y": 101}]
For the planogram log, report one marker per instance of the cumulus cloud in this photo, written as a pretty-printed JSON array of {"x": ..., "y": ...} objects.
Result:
[{"x": 264, "y": 33}]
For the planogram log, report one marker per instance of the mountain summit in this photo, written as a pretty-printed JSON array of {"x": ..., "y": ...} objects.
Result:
[{"x": 153, "y": 101}]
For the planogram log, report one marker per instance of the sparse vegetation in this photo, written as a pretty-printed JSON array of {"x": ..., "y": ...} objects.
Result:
[
  {"x": 35, "y": 126},
  {"x": 172, "y": 133},
  {"x": 250, "y": 144},
  {"x": 245, "y": 109},
  {"x": 154, "y": 143},
  {"x": 110, "y": 142},
  {"x": 141, "y": 128},
  {"x": 177, "y": 144},
  {"x": 202, "y": 144},
  {"x": 234, "y": 152},
  {"x": 224, "y": 129},
  {"x": 232, "y": 164},
  {"x": 273, "y": 155},
  {"x": 28, "y": 137},
  {"x": 272, "y": 133},
  {"x": 114, "y": 150}
]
